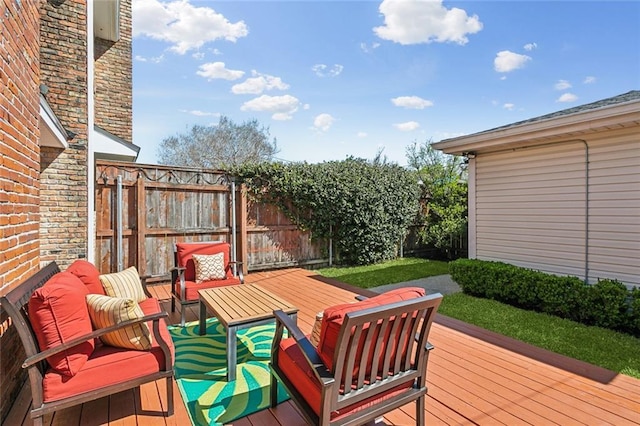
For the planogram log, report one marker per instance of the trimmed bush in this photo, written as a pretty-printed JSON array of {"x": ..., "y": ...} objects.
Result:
[{"x": 607, "y": 304}]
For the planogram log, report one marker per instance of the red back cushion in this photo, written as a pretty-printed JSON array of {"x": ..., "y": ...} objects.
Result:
[
  {"x": 185, "y": 252},
  {"x": 334, "y": 316},
  {"x": 88, "y": 274},
  {"x": 58, "y": 313}
]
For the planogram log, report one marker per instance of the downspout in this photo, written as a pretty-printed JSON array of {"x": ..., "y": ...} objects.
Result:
[
  {"x": 91, "y": 166},
  {"x": 587, "y": 218}
]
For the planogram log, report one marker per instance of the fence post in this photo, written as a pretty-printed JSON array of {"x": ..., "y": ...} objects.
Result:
[
  {"x": 119, "y": 220},
  {"x": 141, "y": 225},
  {"x": 243, "y": 230}
]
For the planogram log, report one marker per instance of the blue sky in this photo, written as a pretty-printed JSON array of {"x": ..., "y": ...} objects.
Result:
[{"x": 333, "y": 79}]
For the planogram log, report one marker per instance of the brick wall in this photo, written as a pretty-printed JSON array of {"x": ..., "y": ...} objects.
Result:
[
  {"x": 19, "y": 169},
  {"x": 113, "y": 84},
  {"x": 63, "y": 180}
]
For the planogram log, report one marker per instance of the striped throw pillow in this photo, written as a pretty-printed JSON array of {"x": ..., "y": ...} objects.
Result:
[
  {"x": 209, "y": 267},
  {"x": 106, "y": 311},
  {"x": 124, "y": 284}
]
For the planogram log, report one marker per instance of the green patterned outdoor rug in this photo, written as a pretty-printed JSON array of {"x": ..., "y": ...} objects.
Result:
[{"x": 201, "y": 368}]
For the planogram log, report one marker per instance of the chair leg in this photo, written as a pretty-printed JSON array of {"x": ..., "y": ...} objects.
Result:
[
  {"x": 38, "y": 421},
  {"x": 273, "y": 391},
  {"x": 182, "y": 315},
  {"x": 173, "y": 304},
  {"x": 420, "y": 411},
  {"x": 169, "y": 396}
]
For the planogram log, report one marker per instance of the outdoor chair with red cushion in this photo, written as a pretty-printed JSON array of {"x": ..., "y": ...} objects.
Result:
[
  {"x": 212, "y": 267},
  {"x": 83, "y": 343},
  {"x": 371, "y": 359}
]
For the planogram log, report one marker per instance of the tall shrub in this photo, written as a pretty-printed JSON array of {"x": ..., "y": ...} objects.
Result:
[{"x": 364, "y": 206}]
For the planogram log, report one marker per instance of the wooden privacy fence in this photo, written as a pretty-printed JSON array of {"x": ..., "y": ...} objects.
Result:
[{"x": 143, "y": 210}]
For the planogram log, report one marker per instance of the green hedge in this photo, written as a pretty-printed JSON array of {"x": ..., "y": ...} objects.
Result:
[
  {"x": 608, "y": 303},
  {"x": 365, "y": 206}
]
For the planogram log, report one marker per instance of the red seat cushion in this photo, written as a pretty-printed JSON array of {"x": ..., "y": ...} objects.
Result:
[
  {"x": 192, "y": 287},
  {"x": 334, "y": 316},
  {"x": 292, "y": 362},
  {"x": 185, "y": 252},
  {"x": 88, "y": 274},
  {"x": 109, "y": 365},
  {"x": 58, "y": 313}
]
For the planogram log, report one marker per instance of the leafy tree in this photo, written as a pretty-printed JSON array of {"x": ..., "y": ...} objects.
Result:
[
  {"x": 364, "y": 206},
  {"x": 444, "y": 194},
  {"x": 218, "y": 147}
]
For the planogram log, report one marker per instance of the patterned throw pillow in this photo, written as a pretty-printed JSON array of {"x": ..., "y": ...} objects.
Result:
[
  {"x": 315, "y": 332},
  {"x": 209, "y": 267},
  {"x": 124, "y": 284},
  {"x": 106, "y": 311}
]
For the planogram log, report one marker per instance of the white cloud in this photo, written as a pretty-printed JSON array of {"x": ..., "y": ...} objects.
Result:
[
  {"x": 154, "y": 59},
  {"x": 258, "y": 84},
  {"x": 562, "y": 85},
  {"x": 530, "y": 46},
  {"x": 567, "y": 97},
  {"x": 507, "y": 61},
  {"x": 183, "y": 25},
  {"x": 508, "y": 106},
  {"x": 198, "y": 55},
  {"x": 362, "y": 134},
  {"x": 425, "y": 21},
  {"x": 323, "y": 70},
  {"x": 218, "y": 70},
  {"x": 589, "y": 80},
  {"x": 199, "y": 113},
  {"x": 323, "y": 122},
  {"x": 411, "y": 102},
  {"x": 407, "y": 127},
  {"x": 281, "y": 107},
  {"x": 368, "y": 49}
]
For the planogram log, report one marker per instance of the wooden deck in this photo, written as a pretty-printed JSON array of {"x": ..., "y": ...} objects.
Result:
[{"x": 474, "y": 377}]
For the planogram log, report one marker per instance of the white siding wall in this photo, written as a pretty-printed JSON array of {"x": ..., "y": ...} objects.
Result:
[
  {"x": 614, "y": 226},
  {"x": 531, "y": 208}
]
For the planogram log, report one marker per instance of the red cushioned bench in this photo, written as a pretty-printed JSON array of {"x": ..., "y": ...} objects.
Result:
[{"x": 67, "y": 361}]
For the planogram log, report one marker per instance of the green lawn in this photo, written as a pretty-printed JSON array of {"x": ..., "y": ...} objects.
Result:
[
  {"x": 394, "y": 271},
  {"x": 605, "y": 348}
]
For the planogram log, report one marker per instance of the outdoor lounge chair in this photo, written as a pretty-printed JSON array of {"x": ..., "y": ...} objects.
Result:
[
  {"x": 192, "y": 274},
  {"x": 371, "y": 359},
  {"x": 66, "y": 362}
]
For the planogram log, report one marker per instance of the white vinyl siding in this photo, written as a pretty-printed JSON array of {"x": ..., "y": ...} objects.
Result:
[
  {"x": 530, "y": 207},
  {"x": 614, "y": 192}
]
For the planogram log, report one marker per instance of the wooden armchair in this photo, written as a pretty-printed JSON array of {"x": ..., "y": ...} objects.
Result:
[
  {"x": 66, "y": 364},
  {"x": 371, "y": 359},
  {"x": 185, "y": 279}
]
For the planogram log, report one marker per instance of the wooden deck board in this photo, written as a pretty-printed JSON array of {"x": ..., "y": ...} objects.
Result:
[{"x": 474, "y": 377}]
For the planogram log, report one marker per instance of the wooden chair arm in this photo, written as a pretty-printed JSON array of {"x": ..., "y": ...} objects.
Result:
[
  {"x": 143, "y": 280},
  {"x": 40, "y": 356},
  {"x": 321, "y": 372}
]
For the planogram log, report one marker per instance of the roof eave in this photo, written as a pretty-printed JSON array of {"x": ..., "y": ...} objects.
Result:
[{"x": 545, "y": 131}]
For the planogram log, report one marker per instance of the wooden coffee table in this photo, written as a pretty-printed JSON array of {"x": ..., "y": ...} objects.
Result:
[{"x": 238, "y": 307}]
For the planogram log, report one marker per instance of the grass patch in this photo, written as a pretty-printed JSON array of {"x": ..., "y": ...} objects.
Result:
[
  {"x": 599, "y": 346},
  {"x": 391, "y": 272}
]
